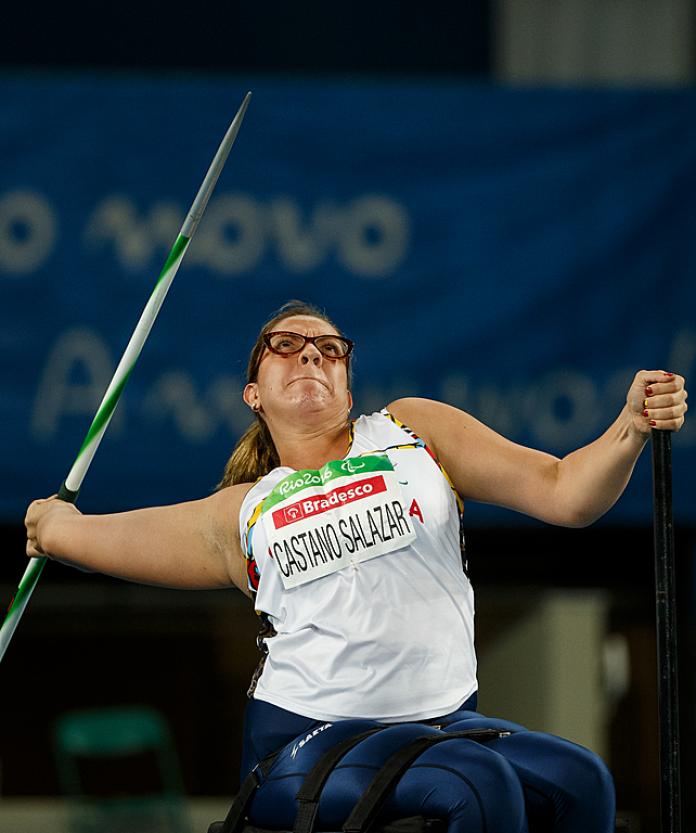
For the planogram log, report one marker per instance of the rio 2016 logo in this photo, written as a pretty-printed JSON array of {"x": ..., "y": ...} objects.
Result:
[{"x": 307, "y": 478}]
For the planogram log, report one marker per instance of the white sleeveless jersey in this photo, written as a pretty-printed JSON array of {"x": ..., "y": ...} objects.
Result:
[{"x": 358, "y": 567}]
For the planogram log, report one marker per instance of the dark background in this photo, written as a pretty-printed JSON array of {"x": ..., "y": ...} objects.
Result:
[
  {"x": 89, "y": 640},
  {"x": 312, "y": 37}
]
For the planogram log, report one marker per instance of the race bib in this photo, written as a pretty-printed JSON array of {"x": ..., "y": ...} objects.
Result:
[{"x": 321, "y": 521}]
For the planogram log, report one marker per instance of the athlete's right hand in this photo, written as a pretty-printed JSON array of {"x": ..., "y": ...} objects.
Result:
[{"x": 41, "y": 514}]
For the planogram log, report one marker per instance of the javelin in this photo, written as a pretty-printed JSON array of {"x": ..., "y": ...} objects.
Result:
[{"x": 71, "y": 485}]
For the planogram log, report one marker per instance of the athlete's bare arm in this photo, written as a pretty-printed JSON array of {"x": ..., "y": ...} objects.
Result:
[
  {"x": 573, "y": 491},
  {"x": 188, "y": 545}
]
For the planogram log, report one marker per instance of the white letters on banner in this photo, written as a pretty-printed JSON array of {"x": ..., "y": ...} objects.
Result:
[
  {"x": 369, "y": 236},
  {"x": 28, "y": 228},
  {"x": 560, "y": 410}
]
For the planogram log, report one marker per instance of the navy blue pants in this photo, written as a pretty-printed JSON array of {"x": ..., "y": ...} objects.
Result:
[{"x": 529, "y": 782}]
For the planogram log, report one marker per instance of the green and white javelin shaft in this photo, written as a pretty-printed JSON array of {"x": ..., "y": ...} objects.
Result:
[{"x": 71, "y": 486}]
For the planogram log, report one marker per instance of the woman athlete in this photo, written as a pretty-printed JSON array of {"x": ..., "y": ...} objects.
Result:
[{"x": 345, "y": 534}]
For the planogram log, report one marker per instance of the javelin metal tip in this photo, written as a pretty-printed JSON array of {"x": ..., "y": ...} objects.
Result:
[
  {"x": 236, "y": 122},
  {"x": 199, "y": 204},
  {"x": 239, "y": 115}
]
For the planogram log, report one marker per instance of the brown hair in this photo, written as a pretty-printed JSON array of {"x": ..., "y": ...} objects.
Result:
[{"x": 255, "y": 453}]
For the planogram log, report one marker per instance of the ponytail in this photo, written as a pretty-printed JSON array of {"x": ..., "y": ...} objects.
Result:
[{"x": 254, "y": 456}]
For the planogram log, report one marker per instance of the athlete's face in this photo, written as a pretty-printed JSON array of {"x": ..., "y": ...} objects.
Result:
[{"x": 306, "y": 382}]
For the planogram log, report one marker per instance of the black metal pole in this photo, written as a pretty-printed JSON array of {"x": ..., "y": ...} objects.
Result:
[{"x": 666, "y": 617}]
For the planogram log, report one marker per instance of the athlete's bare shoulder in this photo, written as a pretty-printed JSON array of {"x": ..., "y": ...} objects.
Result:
[{"x": 427, "y": 417}]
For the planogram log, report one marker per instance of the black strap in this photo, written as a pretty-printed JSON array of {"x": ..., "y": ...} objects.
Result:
[
  {"x": 313, "y": 784},
  {"x": 310, "y": 791},
  {"x": 236, "y": 817},
  {"x": 370, "y": 803}
]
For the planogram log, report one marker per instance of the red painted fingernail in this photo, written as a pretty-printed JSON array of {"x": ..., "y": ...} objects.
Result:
[
  {"x": 648, "y": 391},
  {"x": 653, "y": 423},
  {"x": 668, "y": 374},
  {"x": 645, "y": 412}
]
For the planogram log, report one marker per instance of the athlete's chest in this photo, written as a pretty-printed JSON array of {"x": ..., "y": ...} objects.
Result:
[{"x": 377, "y": 503}]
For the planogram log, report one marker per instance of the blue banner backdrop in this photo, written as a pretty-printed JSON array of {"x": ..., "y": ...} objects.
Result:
[{"x": 517, "y": 253}]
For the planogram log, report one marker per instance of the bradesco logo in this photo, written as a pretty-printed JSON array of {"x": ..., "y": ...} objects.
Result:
[{"x": 322, "y": 503}]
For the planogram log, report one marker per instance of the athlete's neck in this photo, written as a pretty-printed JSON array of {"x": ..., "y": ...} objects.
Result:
[{"x": 305, "y": 448}]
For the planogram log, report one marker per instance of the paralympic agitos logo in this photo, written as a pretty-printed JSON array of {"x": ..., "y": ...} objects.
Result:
[{"x": 315, "y": 505}]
